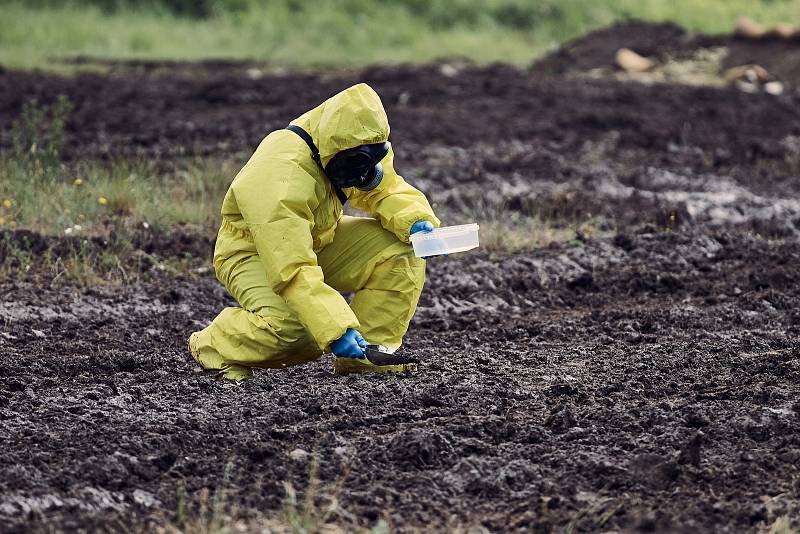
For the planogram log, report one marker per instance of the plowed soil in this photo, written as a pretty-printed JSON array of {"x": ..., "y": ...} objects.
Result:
[{"x": 648, "y": 381}]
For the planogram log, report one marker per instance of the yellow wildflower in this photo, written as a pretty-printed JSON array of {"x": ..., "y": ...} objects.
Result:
[
  {"x": 102, "y": 201},
  {"x": 77, "y": 181},
  {"x": 7, "y": 203},
  {"x": 2, "y": 221}
]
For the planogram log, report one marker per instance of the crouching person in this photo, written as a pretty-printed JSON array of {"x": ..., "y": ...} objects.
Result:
[{"x": 285, "y": 250}]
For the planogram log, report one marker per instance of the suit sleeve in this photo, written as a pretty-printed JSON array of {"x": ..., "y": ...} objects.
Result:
[
  {"x": 277, "y": 203},
  {"x": 395, "y": 203}
]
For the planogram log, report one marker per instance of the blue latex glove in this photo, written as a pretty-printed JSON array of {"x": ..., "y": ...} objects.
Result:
[
  {"x": 424, "y": 227},
  {"x": 351, "y": 344},
  {"x": 421, "y": 226}
]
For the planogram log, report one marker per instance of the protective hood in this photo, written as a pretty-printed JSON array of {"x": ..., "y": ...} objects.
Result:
[{"x": 346, "y": 120}]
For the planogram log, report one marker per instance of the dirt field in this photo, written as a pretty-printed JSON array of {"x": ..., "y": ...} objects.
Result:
[{"x": 648, "y": 381}]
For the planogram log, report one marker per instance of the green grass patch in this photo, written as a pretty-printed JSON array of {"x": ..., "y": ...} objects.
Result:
[
  {"x": 92, "y": 223},
  {"x": 339, "y": 33},
  {"x": 87, "y": 197},
  {"x": 85, "y": 223}
]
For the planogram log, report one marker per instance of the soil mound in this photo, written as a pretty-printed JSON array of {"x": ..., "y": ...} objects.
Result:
[
  {"x": 596, "y": 50},
  {"x": 144, "y": 246}
]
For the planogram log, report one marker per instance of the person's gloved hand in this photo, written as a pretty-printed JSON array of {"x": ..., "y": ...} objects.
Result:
[
  {"x": 351, "y": 344},
  {"x": 421, "y": 226},
  {"x": 424, "y": 227}
]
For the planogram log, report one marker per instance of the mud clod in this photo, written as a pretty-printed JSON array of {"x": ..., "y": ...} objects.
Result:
[
  {"x": 561, "y": 419},
  {"x": 654, "y": 470},
  {"x": 691, "y": 451},
  {"x": 421, "y": 449}
]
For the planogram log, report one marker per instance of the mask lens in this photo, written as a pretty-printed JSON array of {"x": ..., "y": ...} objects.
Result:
[{"x": 358, "y": 166}]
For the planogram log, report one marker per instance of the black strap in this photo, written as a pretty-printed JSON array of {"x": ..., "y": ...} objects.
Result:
[{"x": 304, "y": 135}]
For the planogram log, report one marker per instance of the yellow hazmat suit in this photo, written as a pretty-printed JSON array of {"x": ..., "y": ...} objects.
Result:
[{"x": 284, "y": 250}]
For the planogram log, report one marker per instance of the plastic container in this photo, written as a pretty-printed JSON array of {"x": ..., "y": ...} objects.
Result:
[{"x": 446, "y": 240}]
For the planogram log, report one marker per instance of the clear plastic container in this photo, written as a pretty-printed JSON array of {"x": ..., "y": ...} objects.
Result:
[{"x": 446, "y": 240}]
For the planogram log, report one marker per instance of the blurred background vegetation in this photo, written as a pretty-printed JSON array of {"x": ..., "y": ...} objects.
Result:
[{"x": 337, "y": 33}]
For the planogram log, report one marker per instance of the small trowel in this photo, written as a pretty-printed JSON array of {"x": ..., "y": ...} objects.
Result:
[{"x": 377, "y": 357}]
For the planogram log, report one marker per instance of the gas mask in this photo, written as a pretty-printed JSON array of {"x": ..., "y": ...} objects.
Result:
[{"x": 358, "y": 167}]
